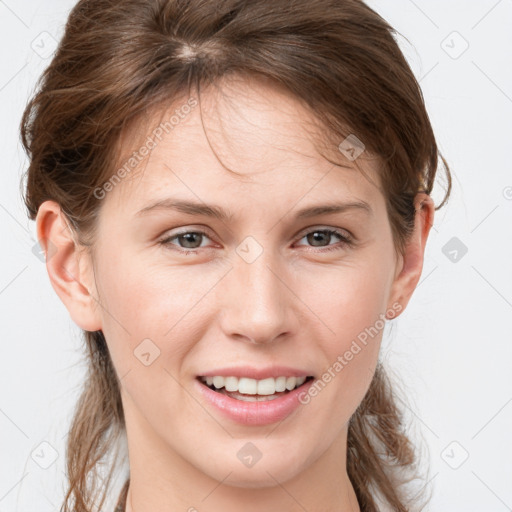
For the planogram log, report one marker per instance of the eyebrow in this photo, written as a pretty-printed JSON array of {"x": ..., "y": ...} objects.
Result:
[{"x": 208, "y": 210}]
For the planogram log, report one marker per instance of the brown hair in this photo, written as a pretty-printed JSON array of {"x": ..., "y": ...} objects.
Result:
[{"x": 118, "y": 59}]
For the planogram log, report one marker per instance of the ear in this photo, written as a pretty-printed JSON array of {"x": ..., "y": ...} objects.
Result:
[
  {"x": 69, "y": 266},
  {"x": 410, "y": 265}
]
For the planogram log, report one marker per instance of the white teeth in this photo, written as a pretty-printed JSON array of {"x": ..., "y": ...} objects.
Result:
[
  {"x": 231, "y": 383},
  {"x": 218, "y": 382},
  {"x": 290, "y": 383},
  {"x": 280, "y": 384},
  {"x": 267, "y": 386},
  {"x": 248, "y": 386}
]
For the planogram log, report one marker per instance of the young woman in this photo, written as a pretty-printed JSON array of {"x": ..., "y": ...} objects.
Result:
[{"x": 234, "y": 199}]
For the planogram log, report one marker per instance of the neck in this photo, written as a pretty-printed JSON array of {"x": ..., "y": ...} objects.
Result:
[
  {"x": 323, "y": 487},
  {"x": 162, "y": 479}
]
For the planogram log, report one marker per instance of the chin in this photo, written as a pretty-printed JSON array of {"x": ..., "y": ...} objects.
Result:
[
  {"x": 264, "y": 473},
  {"x": 261, "y": 480}
]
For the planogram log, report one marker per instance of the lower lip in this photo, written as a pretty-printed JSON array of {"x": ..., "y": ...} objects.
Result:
[{"x": 255, "y": 413}]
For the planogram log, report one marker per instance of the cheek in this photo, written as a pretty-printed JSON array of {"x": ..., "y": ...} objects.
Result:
[
  {"x": 146, "y": 301},
  {"x": 147, "y": 310},
  {"x": 351, "y": 302},
  {"x": 348, "y": 300}
]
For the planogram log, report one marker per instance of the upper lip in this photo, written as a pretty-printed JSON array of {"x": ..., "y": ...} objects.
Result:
[{"x": 257, "y": 373}]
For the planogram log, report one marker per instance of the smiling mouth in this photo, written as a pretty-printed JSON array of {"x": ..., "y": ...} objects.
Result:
[{"x": 252, "y": 390}]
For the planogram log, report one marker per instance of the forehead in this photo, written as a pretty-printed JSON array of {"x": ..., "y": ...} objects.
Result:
[{"x": 255, "y": 128}]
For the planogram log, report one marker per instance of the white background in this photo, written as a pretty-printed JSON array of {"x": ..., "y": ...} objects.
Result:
[{"x": 452, "y": 347}]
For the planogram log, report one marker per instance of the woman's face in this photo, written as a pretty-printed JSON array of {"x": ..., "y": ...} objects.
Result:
[{"x": 236, "y": 281}]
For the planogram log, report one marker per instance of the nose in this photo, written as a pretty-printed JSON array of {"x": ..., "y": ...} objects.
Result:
[{"x": 256, "y": 304}]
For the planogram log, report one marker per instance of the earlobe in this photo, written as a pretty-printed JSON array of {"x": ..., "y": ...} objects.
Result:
[
  {"x": 410, "y": 265},
  {"x": 69, "y": 268}
]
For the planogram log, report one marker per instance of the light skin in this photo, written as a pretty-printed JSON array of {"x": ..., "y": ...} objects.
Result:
[{"x": 297, "y": 304}]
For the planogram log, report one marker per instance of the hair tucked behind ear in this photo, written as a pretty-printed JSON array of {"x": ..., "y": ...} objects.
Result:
[
  {"x": 97, "y": 424},
  {"x": 377, "y": 445},
  {"x": 120, "y": 60}
]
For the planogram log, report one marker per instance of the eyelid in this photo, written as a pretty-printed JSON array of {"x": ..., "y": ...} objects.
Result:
[
  {"x": 174, "y": 232},
  {"x": 347, "y": 239},
  {"x": 347, "y": 234},
  {"x": 300, "y": 234},
  {"x": 171, "y": 234}
]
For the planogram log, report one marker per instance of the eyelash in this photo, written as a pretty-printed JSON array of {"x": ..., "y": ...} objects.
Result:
[{"x": 345, "y": 240}]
